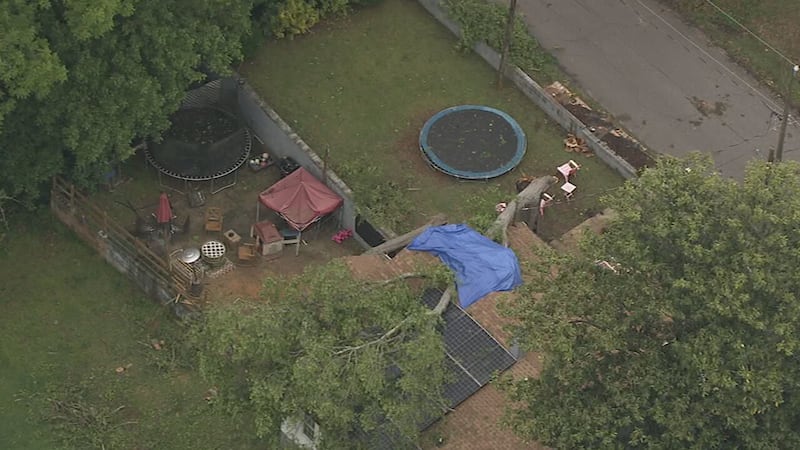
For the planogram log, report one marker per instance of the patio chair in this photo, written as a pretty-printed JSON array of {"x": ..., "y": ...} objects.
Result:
[
  {"x": 544, "y": 202},
  {"x": 290, "y": 237},
  {"x": 213, "y": 217},
  {"x": 568, "y": 169}
]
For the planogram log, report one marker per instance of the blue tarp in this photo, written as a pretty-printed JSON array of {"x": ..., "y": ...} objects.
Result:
[{"x": 480, "y": 264}]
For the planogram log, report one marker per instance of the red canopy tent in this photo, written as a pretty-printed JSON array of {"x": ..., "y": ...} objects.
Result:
[{"x": 300, "y": 199}]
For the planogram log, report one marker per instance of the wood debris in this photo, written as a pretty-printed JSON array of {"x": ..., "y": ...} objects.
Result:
[
  {"x": 574, "y": 144},
  {"x": 564, "y": 96}
]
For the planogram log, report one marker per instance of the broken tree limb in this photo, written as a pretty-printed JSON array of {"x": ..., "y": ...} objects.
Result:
[
  {"x": 530, "y": 195},
  {"x": 402, "y": 276},
  {"x": 443, "y": 301},
  {"x": 401, "y": 241}
]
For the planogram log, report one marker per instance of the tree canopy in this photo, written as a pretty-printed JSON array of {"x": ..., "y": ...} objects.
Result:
[
  {"x": 79, "y": 80},
  {"x": 358, "y": 357},
  {"x": 689, "y": 337}
]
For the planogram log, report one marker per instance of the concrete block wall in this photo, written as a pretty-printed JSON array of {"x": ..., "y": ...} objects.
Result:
[
  {"x": 126, "y": 263},
  {"x": 282, "y": 141},
  {"x": 538, "y": 96}
]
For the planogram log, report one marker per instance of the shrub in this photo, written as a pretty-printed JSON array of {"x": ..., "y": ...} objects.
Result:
[{"x": 486, "y": 22}]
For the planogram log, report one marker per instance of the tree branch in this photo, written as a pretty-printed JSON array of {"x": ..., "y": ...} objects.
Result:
[
  {"x": 402, "y": 276},
  {"x": 585, "y": 322},
  {"x": 384, "y": 338},
  {"x": 443, "y": 301}
]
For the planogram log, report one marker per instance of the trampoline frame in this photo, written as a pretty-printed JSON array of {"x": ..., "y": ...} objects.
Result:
[
  {"x": 221, "y": 174},
  {"x": 445, "y": 168}
]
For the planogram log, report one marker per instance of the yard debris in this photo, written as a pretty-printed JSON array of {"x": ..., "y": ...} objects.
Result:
[
  {"x": 523, "y": 182},
  {"x": 575, "y": 144},
  {"x": 342, "y": 235},
  {"x": 564, "y": 96},
  {"x": 620, "y": 133},
  {"x": 157, "y": 344},
  {"x": 122, "y": 369},
  {"x": 211, "y": 394}
]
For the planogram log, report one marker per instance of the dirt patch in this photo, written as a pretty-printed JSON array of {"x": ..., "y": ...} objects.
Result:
[
  {"x": 407, "y": 151},
  {"x": 246, "y": 280},
  {"x": 629, "y": 150},
  {"x": 409, "y": 156},
  {"x": 623, "y": 145},
  {"x": 589, "y": 117}
]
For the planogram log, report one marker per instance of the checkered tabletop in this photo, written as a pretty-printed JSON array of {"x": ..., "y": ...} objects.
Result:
[{"x": 213, "y": 249}]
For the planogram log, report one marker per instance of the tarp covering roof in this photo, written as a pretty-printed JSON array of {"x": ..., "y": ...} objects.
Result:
[
  {"x": 300, "y": 199},
  {"x": 481, "y": 265}
]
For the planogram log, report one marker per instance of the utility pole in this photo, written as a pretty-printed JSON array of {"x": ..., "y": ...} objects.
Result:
[
  {"x": 787, "y": 105},
  {"x": 501, "y": 69}
]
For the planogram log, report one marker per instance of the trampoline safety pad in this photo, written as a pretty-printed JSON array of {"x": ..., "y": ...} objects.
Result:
[{"x": 472, "y": 142}]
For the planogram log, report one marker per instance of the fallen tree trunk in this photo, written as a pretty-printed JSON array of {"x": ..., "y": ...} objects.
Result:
[
  {"x": 529, "y": 196},
  {"x": 401, "y": 241},
  {"x": 443, "y": 301}
]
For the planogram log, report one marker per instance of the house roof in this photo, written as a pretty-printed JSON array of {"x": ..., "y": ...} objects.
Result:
[
  {"x": 474, "y": 424},
  {"x": 473, "y": 355}
]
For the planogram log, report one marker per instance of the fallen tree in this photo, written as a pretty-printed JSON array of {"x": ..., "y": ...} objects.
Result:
[
  {"x": 529, "y": 197},
  {"x": 401, "y": 241}
]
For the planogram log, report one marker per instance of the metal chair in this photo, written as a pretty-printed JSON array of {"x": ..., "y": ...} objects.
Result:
[{"x": 290, "y": 237}]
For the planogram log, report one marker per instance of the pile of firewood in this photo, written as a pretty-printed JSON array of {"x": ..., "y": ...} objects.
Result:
[{"x": 574, "y": 144}]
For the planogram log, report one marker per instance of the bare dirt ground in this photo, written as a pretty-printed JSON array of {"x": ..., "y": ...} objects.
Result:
[{"x": 238, "y": 204}]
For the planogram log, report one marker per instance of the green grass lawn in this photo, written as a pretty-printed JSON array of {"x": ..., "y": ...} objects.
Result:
[
  {"x": 361, "y": 88},
  {"x": 69, "y": 320},
  {"x": 775, "y": 21}
]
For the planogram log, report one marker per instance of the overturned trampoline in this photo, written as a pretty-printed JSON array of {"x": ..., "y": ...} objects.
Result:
[
  {"x": 205, "y": 144},
  {"x": 472, "y": 142}
]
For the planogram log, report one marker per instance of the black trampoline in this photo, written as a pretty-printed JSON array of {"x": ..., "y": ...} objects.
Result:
[
  {"x": 472, "y": 142},
  {"x": 203, "y": 144}
]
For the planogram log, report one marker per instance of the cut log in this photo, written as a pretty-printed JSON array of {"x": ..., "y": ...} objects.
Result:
[
  {"x": 528, "y": 197},
  {"x": 401, "y": 241}
]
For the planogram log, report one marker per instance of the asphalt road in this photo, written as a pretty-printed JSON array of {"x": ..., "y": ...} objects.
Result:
[{"x": 662, "y": 79}]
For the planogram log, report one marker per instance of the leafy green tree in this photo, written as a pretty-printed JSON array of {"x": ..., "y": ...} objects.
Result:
[
  {"x": 80, "y": 80},
  {"x": 356, "y": 356},
  {"x": 689, "y": 336}
]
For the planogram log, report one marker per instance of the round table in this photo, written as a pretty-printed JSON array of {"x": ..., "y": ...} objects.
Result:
[
  {"x": 190, "y": 255},
  {"x": 212, "y": 252}
]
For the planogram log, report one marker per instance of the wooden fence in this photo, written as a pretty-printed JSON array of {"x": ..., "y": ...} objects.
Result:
[{"x": 162, "y": 277}]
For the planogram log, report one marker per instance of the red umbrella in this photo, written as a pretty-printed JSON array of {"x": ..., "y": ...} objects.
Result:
[{"x": 164, "y": 211}]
